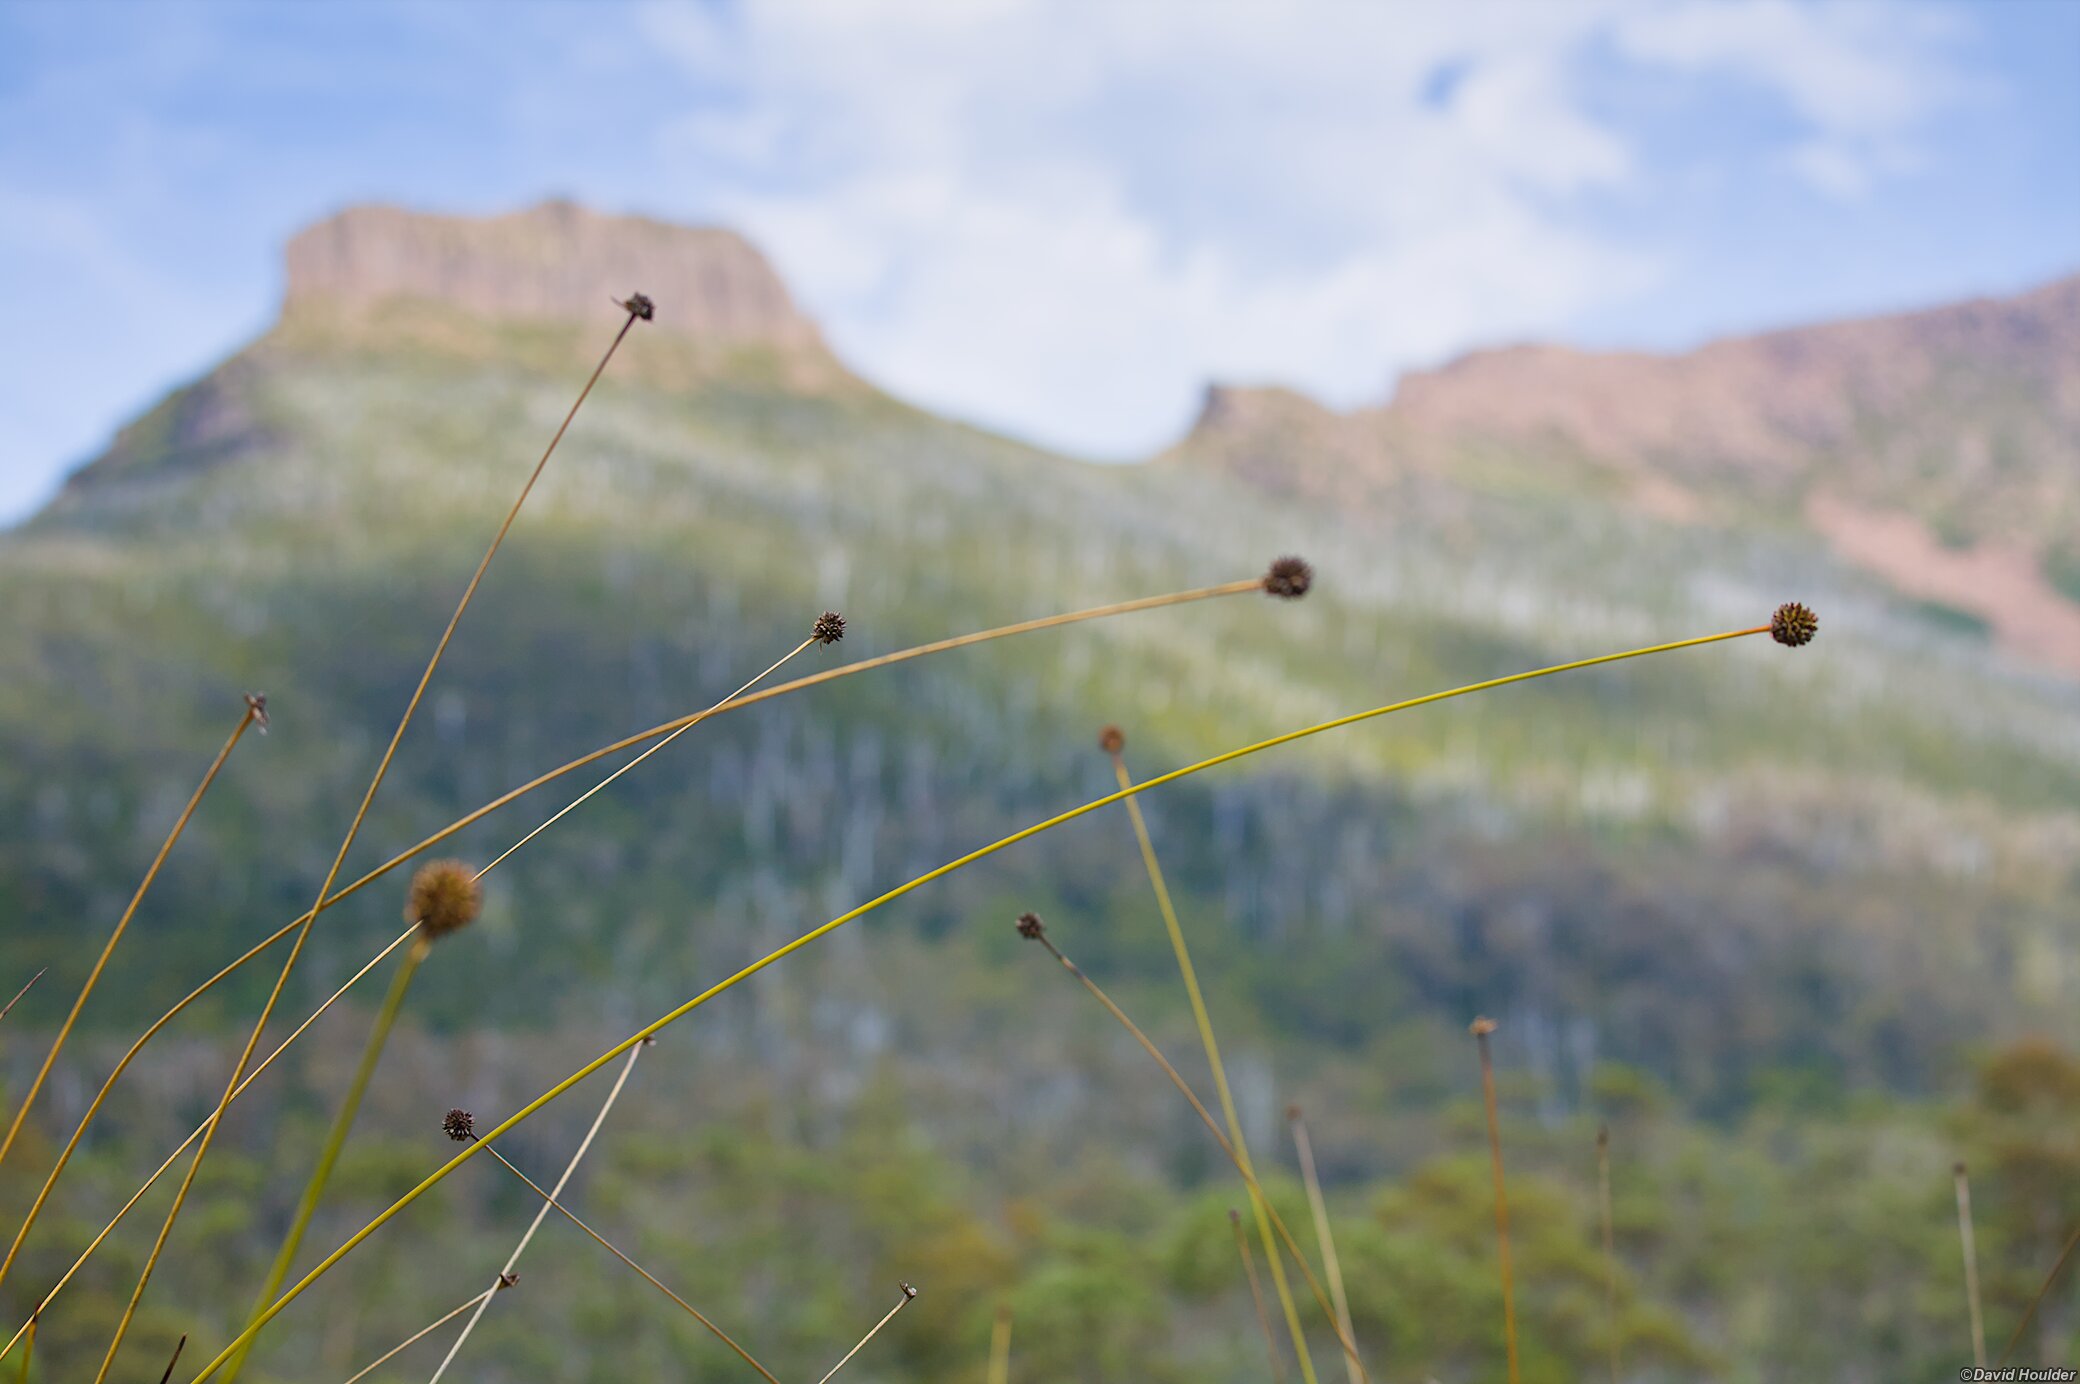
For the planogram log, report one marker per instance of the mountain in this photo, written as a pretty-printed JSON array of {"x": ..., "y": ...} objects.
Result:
[
  {"x": 1735, "y": 886},
  {"x": 1934, "y": 449}
]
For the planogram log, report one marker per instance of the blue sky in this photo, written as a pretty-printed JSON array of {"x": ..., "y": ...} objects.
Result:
[{"x": 1058, "y": 219}]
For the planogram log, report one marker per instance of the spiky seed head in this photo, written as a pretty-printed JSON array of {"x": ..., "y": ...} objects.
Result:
[
  {"x": 444, "y": 897},
  {"x": 1793, "y": 624},
  {"x": 829, "y": 628},
  {"x": 256, "y": 707},
  {"x": 908, "y": 1291},
  {"x": 1289, "y": 578},
  {"x": 1482, "y": 1027},
  {"x": 1029, "y": 926},
  {"x": 458, "y": 1124},
  {"x": 1112, "y": 740},
  {"x": 637, "y": 305}
]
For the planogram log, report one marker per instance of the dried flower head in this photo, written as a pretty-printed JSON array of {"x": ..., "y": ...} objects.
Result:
[
  {"x": 1793, "y": 624},
  {"x": 1029, "y": 926},
  {"x": 1289, "y": 578},
  {"x": 829, "y": 628},
  {"x": 1112, "y": 740},
  {"x": 908, "y": 1291},
  {"x": 444, "y": 897},
  {"x": 256, "y": 707},
  {"x": 507, "y": 1280},
  {"x": 637, "y": 305},
  {"x": 458, "y": 1124},
  {"x": 1482, "y": 1027}
]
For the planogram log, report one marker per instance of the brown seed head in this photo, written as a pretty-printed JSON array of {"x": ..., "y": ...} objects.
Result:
[
  {"x": 637, "y": 305},
  {"x": 444, "y": 897},
  {"x": 1293, "y": 1113},
  {"x": 1112, "y": 740},
  {"x": 256, "y": 704},
  {"x": 1234, "y": 1216},
  {"x": 908, "y": 1291},
  {"x": 1029, "y": 926},
  {"x": 829, "y": 628},
  {"x": 458, "y": 1124},
  {"x": 1482, "y": 1027},
  {"x": 1603, "y": 1136},
  {"x": 1289, "y": 578},
  {"x": 1957, "y": 1168},
  {"x": 1793, "y": 624},
  {"x": 507, "y": 1280}
]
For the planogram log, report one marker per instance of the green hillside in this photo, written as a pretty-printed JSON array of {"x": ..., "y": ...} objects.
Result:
[{"x": 1767, "y": 909}]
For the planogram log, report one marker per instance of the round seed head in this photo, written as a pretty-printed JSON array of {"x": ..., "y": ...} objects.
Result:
[
  {"x": 1293, "y": 1113},
  {"x": 638, "y": 305},
  {"x": 1112, "y": 740},
  {"x": 1957, "y": 1169},
  {"x": 829, "y": 627},
  {"x": 1793, "y": 624},
  {"x": 1029, "y": 926},
  {"x": 444, "y": 897},
  {"x": 458, "y": 1124},
  {"x": 1289, "y": 578},
  {"x": 1482, "y": 1027}
]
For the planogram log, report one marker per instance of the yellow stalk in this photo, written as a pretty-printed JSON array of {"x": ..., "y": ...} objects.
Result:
[
  {"x": 651, "y": 1029},
  {"x": 1000, "y": 1346},
  {"x": 180, "y": 824},
  {"x": 1971, "y": 1263},
  {"x": 1331, "y": 1268},
  {"x": 1481, "y": 1029},
  {"x": 1213, "y": 1060},
  {"x": 669, "y": 727},
  {"x": 339, "y": 858},
  {"x": 611, "y": 1248},
  {"x": 875, "y": 1330},
  {"x": 1256, "y": 1296},
  {"x": 342, "y": 1124}
]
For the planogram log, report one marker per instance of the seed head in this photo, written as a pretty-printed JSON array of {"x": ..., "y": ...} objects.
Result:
[
  {"x": 507, "y": 1280},
  {"x": 1234, "y": 1216},
  {"x": 1029, "y": 926},
  {"x": 637, "y": 305},
  {"x": 1603, "y": 1136},
  {"x": 1482, "y": 1027},
  {"x": 1289, "y": 578},
  {"x": 1293, "y": 1113},
  {"x": 458, "y": 1124},
  {"x": 908, "y": 1291},
  {"x": 1793, "y": 624},
  {"x": 1112, "y": 740},
  {"x": 1957, "y": 1169},
  {"x": 256, "y": 705},
  {"x": 444, "y": 897},
  {"x": 829, "y": 628}
]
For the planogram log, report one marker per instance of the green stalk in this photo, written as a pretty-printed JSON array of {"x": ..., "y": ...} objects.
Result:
[{"x": 336, "y": 1140}]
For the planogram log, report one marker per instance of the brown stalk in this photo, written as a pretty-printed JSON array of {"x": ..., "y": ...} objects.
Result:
[
  {"x": 1256, "y": 1296},
  {"x": 2038, "y": 1300},
  {"x": 21, "y": 992},
  {"x": 1332, "y": 1269},
  {"x": 609, "y": 1246},
  {"x": 1029, "y": 926},
  {"x": 339, "y": 859},
  {"x": 180, "y": 824},
  {"x": 1610, "y": 1243},
  {"x": 1481, "y": 1028},
  {"x": 178, "y": 1347},
  {"x": 901, "y": 1302}
]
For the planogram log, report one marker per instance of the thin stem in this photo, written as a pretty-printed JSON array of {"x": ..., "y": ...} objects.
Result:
[
  {"x": 1000, "y": 1346},
  {"x": 542, "y": 780},
  {"x": 195, "y": 1134},
  {"x": 441, "y": 1174},
  {"x": 21, "y": 992},
  {"x": 2038, "y": 1300},
  {"x": 339, "y": 859},
  {"x": 1213, "y": 1060},
  {"x": 180, "y": 824},
  {"x": 609, "y": 1246},
  {"x": 1331, "y": 1268},
  {"x": 1249, "y": 1177},
  {"x": 423, "y": 1332},
  {"x": 178, "y": 1347},
  {"x": 1971, "y": 1263},
  {"x": 542, "y": 1211},
  {"x": 1481, "y": 1029},
  {"x": 1610, "y": 1243},
  {"x": 1256, "y": 1296},
  {"x": 901, "y": 1302},
  {"x": 342, "y": 1124}
]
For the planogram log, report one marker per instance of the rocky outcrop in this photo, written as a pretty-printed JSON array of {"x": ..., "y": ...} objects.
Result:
[{"x": 556, "y": 261}]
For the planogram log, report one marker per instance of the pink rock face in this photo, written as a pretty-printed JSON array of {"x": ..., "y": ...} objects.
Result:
[{"x": 556, "y": 261}]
